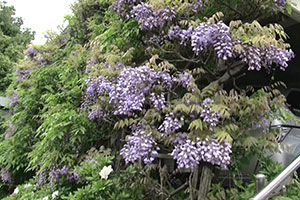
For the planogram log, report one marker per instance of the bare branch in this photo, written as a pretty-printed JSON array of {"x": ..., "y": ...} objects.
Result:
[{"x": 231, "y": 73}]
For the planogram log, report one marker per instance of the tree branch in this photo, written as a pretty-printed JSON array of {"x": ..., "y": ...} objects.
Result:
[
  {"x": 231, "y": 73},
  {"x": 182, "y": 187}
]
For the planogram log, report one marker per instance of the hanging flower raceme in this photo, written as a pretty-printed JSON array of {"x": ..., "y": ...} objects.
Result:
[
  {"x": 132, "y": 90},
  {"x": 170, "y": 125},
  {"x": 189, "y": 154},
  {"x": 209, "y": 116},
  {"x": 151, "y": 19},
  {"x": 140, "y": 145}
]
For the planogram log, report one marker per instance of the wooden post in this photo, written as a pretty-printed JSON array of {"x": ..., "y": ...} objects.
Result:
[{"x": 205, "y": 182}]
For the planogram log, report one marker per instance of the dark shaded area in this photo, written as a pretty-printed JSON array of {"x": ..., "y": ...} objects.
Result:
[{"x": 293, "y": 99}]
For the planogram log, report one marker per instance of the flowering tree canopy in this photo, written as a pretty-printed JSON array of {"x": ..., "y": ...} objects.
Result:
[{"x": 145, "y": 79}]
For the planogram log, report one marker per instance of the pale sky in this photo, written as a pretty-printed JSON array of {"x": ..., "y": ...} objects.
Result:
[{"x": 41, "y": 15}]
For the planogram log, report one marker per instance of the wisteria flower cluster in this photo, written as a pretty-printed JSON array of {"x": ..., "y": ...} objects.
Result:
[
  {"x": 66, "y": 171},
  {"x": 193, "y": 6},
  {"x": 90, "y": 64},
  {"x": 189, "y": 154},
  {"x": 123, "y": 7},
  {"x": 131, "y": 90},
  {"x": 151, "y": 19},
  {"x": 203, "y": 37},
  {"x": 6, "y": 176},
  {"x": 22, "y": 74},
  {"x": 186, "y": 154},
  {"x": 257, "y": 57},
  {"x": 140, "y": 145},
  {"x": 31, "y": 52},
  {"x": 212, "y": 35},
  {"x": 98, "y": 86},
  {"x": 209, "y": 116},
  {"x": 158, "y": 101},
  {"x": 217, "y": 36},
  {"x": 280, "y": 4},
  {"x": 171, "y": 124},
  {"x": 10, "y": 131},
  {"x": 14, "y": 99}
]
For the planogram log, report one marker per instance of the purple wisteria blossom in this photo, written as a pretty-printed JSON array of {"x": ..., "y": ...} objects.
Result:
[
  {"x": 131, "y": 90},
  {"x": 41, "y": 178},
  {"x": 170, "y": 124},
  {"x": 123, "y": 7},
  {"x": 14, "y": 99},
  {"x": 10, "y": 131},
  {"x": 132, "y": 87},
  {"x": 189, "y": 154},
  {"x": 31, "y": 52},
  {"x": 6, "y": 176},
  {"x": 195, "y": 6},
  {"x": 184, "y": 36},
  {"x": 22, "y": 74},
  {"x": 140, "y": 146},
  {"x": 252, "y": 56},
  {"x": 258, "y": 57},
  {"x": 158, "y": 101},
  {"x": 90, "y": 64},
  {"x": 65, "y": 171},
  {"x": 180, "y": 138},
  {"x": 183, "y": 79},
  {"x": 212, "y": 35},
  {"x": 186, "y": 154},
  {"x": 41, "y": 60},
  {"x": 97, "y": 113},
  {"x": 209, "y": 116},
  {"x": 215, "y": 153},
  {"x": 98, "y": 86},
  {"x": 174, "y": 33},
  {"x": 151, "y": 19},
  {"x": 280, "y": 4},
  {"x": 274, "y": 55}
]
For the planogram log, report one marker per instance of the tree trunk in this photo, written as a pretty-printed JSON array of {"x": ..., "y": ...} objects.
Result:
[{"x": 205, "y": 181}]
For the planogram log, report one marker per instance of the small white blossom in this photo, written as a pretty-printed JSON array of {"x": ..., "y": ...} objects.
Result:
[
  {"x": 54, "y": 194},
  {"x": 45, "y": 198},
  {"x": 16, "y": 191},
  {"x": 105, "y": 172}
]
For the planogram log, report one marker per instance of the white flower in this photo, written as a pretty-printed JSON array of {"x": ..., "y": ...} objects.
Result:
[
  {"x": 16, "y": 191},
  {"x": 54, "y": 194},
  {"x": 45, "y": 198},
  {"x": 105, "y": 172},
  {"x": 27, "y": 185}
]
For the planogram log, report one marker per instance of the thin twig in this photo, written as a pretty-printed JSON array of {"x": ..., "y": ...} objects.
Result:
[{"x": 182, "y": 187}]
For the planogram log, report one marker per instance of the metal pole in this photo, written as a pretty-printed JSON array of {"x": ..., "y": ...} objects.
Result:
[
  {"x": 260, "y": 182},
  {"x": 278, "y": 181}
]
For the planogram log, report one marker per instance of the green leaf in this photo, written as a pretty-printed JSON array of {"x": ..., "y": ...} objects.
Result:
[
  {"x": 250, "y": 141},
  {"x": 223, "y": 135},
  {"x": 196, "y": 125},
  {"x": 181, "y": 108}
]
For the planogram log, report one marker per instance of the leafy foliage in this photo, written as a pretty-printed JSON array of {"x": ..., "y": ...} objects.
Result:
[
  {"x": 116, "y": 86},
  {"x": 13, "y": 41}
]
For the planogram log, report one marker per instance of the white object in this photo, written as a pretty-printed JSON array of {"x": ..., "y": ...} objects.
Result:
[
  {"x": 105, "y": 172},
  {"x": 54, "y": 194}
]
